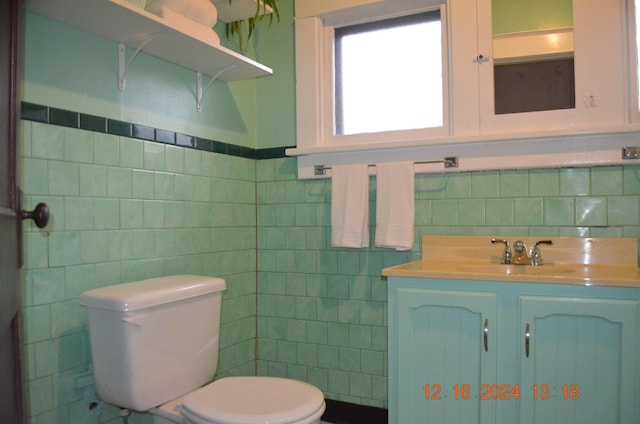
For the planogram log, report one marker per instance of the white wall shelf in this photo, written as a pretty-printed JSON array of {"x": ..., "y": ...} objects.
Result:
[{"x": 126, "y": 24}]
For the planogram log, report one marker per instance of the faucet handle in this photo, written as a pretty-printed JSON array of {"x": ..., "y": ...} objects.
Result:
[
  {"x": 506, "y": 254},
  {"x": 536, "y": 255},
  {"x": 544, "y": 242}
]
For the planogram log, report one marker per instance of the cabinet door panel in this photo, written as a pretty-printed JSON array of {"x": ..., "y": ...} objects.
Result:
[
  {"x": 582, "y": 361},
  {"x": 441, "y": 346}
]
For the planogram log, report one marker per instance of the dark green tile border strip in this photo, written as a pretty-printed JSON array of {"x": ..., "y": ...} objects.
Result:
[{"x": 65, "y": 118}]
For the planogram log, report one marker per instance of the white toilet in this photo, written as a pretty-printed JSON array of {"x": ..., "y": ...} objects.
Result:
[{"x": 155, "y": 345}]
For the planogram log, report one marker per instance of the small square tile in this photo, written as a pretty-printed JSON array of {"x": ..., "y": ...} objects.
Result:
[
  {"x": 93, "y": 123},
  {"x": 106, "y": 149},
  {"x": 78, "y": 145},
  {"x": 142, "y": 132},
  {"x": 130, "y": 153},
  {"x": 154, "y": 156},
  {"x": 499, "y": 212},
  {"x": 164, "y": 136},
  {"x": 559, "y": 211},
  {"x": 544, "y": 182},
  {"x": 575, "y": 181},
  {"x": 64, "y": 248},
  {"x": 607, "y": 180},
  {"x": 631, "y": 181},
  {"x": 64, "y": 178},
  {"x": 47, "y": 141},
  {"x": 106, "y": 214},
  {"x": 64, "y": 118},
  {"x": 164, "y": 186},
  {"x": 445, "y": 212},
  {"x": 623, "y": 210},
  {"x": 175, "y": 158},
  {"x": 528, "y": 211},
  {"x": 94, "y": 246},
  {"x": 119, "y": 182},
  {"x": 143, "y": 184},
  {"x": 131, "y": 213},
  {"x": 514, "y": 183},
  {"x": 591, "y": 211},
  {"x": 93, "y": 180},
  {"x": 35, "y": 176},
  {"x": 458, "y": 186},
  {"x": 471, "y": 211},
  {"x": 184, "y": 140},
  {"x": 34, "y": 112},
  {"x": 48, "y": 285},
  {"x": 78, "y": 213},
  {"x": 115, "y": 127}
]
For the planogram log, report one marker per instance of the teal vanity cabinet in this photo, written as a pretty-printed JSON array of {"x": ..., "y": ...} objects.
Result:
[{"x": 464, "y": 351}]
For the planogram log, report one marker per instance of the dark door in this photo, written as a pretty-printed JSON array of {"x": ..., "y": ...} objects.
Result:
[{"x": 11, "y": 399}]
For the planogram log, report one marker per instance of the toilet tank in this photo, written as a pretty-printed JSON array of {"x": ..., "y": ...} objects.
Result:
[{"x": 154, "y": 340}]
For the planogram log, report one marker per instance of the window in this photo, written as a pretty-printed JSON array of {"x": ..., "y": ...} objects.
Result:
[
  {"x": 371, "y": 74},
  {"x": 349, "y": 97},
  {"x": 388, "y": 75}
]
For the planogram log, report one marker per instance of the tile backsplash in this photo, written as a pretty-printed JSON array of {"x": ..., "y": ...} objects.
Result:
[{"x": 322, "y": 313}]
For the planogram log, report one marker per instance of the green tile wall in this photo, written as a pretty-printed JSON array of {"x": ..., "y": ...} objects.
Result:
[
  {"x": 124, "y": 209},
  {"x": 322, "y": 311}
]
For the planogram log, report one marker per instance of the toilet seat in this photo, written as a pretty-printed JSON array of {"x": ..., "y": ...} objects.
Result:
[{"x": 254, "y": 400}]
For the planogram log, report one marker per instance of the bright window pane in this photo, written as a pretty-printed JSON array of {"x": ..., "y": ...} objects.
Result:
[{"x": 389, "y": 75}]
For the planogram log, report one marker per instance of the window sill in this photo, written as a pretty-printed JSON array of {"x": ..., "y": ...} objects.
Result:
[{"x": 588, "y": 147}]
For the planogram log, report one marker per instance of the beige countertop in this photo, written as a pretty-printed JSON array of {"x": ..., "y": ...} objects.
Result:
[
  {"x": 571, "y": 260},
  {"x": 587, "y": 275}
]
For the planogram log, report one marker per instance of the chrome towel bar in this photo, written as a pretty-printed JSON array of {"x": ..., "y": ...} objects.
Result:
[{"x": 449, "y": 162}]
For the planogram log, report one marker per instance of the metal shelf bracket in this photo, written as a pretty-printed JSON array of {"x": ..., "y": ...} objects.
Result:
[
  {"x": 202, "y": 90},
  {"x": 124, "y": 65}
]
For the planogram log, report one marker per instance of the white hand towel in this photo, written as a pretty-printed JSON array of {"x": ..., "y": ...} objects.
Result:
[
  {"x": 395, "y": 205},
  {"x": 350, "y": 206}
]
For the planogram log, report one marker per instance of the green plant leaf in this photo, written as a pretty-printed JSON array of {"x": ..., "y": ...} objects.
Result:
[{"x": 235, "y": 29}]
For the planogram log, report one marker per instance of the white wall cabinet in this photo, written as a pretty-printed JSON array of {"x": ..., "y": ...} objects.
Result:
[{"x": 600, "y": 77}]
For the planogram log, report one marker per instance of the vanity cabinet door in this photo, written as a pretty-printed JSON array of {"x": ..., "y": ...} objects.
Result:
[
  {"x": 440, "y": 355},
  {"x": 581, "y": 364}
]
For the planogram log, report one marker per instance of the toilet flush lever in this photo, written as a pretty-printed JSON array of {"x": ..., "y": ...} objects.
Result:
[{"x": 137, "y": 320}]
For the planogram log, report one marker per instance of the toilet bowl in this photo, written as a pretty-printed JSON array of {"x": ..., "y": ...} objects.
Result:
[
  {"x": 246, "y": 400},
  {"x": 136, "y": 368}
]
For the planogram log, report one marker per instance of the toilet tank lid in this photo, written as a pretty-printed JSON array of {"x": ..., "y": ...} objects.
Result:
[{"x": 148, "y": 293}]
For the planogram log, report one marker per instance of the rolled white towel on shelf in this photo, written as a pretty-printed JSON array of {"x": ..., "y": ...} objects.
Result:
[
  {"x": 201, "y": 11},
  {"x": 187, "y": 26}
]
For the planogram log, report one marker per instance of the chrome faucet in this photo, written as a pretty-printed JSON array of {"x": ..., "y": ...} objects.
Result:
[{"x": 520, "y": 256}]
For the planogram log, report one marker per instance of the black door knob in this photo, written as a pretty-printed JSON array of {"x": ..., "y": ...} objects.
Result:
[{"x": 40, "y": 215}]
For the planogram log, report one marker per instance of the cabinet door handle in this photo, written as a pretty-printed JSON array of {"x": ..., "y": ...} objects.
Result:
[
  {"x": 527, "y": 335},
  {"x": 486, "y": 334}
]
